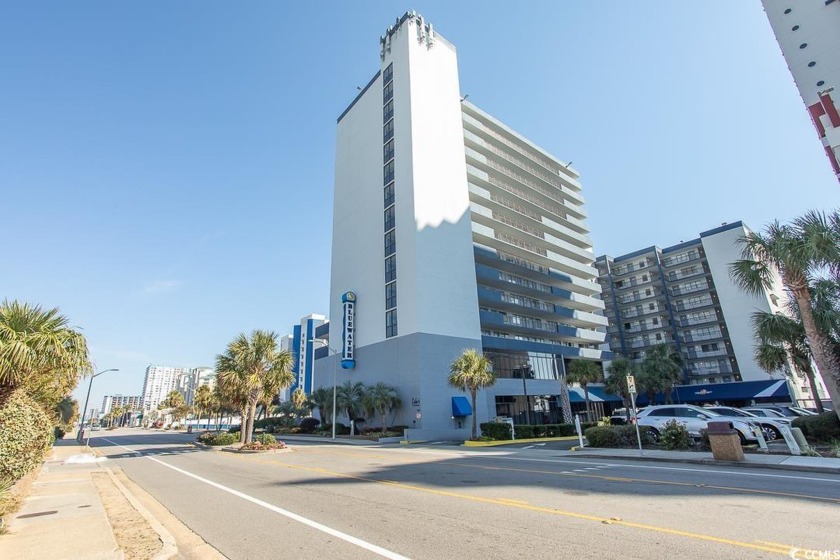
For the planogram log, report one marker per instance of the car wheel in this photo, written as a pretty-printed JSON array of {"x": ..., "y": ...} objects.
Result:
[
  {"x": 770, "y": 433},
  {"x": 654, "y": 435},
  {"x": 742, "y": 437}
]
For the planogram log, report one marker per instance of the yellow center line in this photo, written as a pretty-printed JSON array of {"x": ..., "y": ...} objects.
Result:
[
  {"x": 775, "y": 548},
  {"x": 510, "y": 501}
]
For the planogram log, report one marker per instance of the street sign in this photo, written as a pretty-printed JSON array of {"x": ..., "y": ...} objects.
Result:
[{"x": 631, "y": 384}]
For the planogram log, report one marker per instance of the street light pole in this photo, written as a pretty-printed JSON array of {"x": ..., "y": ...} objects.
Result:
[{"x": 87, "y": 398}]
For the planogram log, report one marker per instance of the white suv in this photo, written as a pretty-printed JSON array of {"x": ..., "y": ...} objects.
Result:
[{"x": 693, "y": 418}]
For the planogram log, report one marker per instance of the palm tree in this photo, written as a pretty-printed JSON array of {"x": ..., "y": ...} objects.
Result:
[
  {"x": 349, "y": 398},
  {"x": 662, "y": 364},
  {"x": 583, "y": 372},
  {"x": 67, "y": 410},
  {"x": 253, "y": 365},
  {"x": 796, "y": 252},
  {"x": 203, "y": 401},
  {"x": 381, "y": 399},
  {"x": 616, "y": 383},
  {"x": 470, "y": 372},
  {"x": 781, "y": 338},
  {"x": 40, "y": 352},
  {"x": 322, "y": 398}
]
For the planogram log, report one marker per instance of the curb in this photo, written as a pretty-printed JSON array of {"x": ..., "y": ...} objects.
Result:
[
  {"x": 712, "y": 462},
  {"x": 170, "y": 548},
  {"x": 469, "y": 443}
]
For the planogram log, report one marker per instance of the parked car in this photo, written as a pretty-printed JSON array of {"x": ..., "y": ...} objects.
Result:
[
  {"x": 770, "y": 426},
  {"x": 694, "y": 418},
  {"x": 619, "y": 416},
  {"x": 785, "y": 410}
]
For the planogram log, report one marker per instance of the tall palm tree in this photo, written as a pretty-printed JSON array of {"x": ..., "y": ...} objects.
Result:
[
  {"x": 797, "y": 253},
  {"x": 349, "y": 398},
  {"x": 322, "y": 398},
  {"x": 381, "y": 399},
  {"x": 583, "y": 372},
  {"x": 781, "y": 338},
  {"x": 470, "y": 372},
  {"x": 252, "y": 365},
  {"x": 616, "y": 382},
  {"x": 40, "y": 352},
  {"x": 203, "y": 401},
  {"x": 662, "y": 364}
]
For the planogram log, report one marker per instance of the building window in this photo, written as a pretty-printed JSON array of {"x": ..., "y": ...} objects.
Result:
[
  {"x": 389, "y": 218},
  {"x": 651, "y": 306},
  {"x": 388, "y": 111},
  {"x": 388, "y": 74},
  {"x": 390, "y": 243},
  {"x": 803, "y": 45},
  {"x": 812, "y": 64},
  {"x": 820, "y": 83},
  {"x": 388, "y": 151},
  {"x": 788, "y": 11},
  {"x": 388, "y": 131},
  {"x": 794, "y": 28},
  {"x": 391, "y": 268},
  {"x": 391, "y": 295},
  {"x": 388, "y": 172},
  {"x": 388, "y": 93},
  {"x": 389, "y": 194},
  {"x": 391, "y": 323},
  {"x": 658, "y": 336}
]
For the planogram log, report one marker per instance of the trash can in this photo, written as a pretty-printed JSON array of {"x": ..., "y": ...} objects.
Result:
[{"x": 725, "y": 441}]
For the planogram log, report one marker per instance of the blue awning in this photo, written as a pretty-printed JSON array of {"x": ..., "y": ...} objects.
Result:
[
  {"x": 765, "y": 390},
  {"x": 596, "y": 394},
  {"x": 574, "y": 397},
  {"x": 461, "y": 406}
]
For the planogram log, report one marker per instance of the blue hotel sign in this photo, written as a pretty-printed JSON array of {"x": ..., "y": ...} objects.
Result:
[{"x": 348, "y": 351}]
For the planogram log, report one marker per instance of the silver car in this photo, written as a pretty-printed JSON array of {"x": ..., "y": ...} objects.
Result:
[
  {"x": 770, "y": 424},
  {"x": 694, "y": 418}
]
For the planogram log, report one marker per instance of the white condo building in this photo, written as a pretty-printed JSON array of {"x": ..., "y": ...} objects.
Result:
[
  {"x": 453, "y": 231},
  {"x": 160, "y": 380},
  {"x": 808, "y": 32}
]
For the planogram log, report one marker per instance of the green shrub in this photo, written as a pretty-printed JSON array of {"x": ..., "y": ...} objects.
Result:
[
  {"x": 58, "y": 432},
  {"x": 222, "y": 438},
  {"x": 524, "y": 431},
  {"x": 674, "y": 435},
  {"x": 497, "y": 431},
  {"x": 617, "y": 436},
  {"x": 265, "y": 439},
  {"x": 308, "y": 425},
  {"x": 25, "y": 434},
  {"x": 820, "y": 429}
]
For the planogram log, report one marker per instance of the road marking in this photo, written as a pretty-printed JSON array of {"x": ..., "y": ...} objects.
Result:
[
  {"x": 711, "y": 470},
  {"x": 529, "y": 447},
  {"x": 586, "y": 474},
  {"x": 295, "y": 517},
  {"x": 606, "y": 520},
  {"x": 509, "y": 501}
]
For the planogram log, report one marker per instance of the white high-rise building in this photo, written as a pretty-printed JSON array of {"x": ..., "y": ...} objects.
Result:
[
  {"x": 452, "y": 231},
  {"x": 133, "y": 402},
  {"x": 189, "y": 383},
  {"x": 160, "y": 380},
  {"x": 808, "y": 32}
]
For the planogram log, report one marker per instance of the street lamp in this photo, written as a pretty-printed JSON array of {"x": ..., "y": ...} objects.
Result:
[
  {"x": 335, "y": 354},
  {"x": 87, "y": 398}
]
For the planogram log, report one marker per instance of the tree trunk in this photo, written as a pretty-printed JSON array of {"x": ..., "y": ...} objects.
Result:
[
  {"x": 243, "y": 418},
  {"x": 812, "y": 383},
  {"x": 384, "y": 419},
  {"x": 820, "y": 348},
  {"x": 472, "y": 397},
  {"x": 252, "y": 412},
  {"x": 586, "y": 394}
]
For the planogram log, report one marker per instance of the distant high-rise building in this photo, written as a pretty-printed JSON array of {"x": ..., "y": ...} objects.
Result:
[
  {"x": 109, "y": 402},
  {"x": 188, "y": 383},
  {"x": 159, "y": 382},
  {"x": 808, "y": 32},
  {"x": 684, "y": 296}
]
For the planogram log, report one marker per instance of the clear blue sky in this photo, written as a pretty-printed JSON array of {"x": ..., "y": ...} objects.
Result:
[{"x": 166, "y": 169}]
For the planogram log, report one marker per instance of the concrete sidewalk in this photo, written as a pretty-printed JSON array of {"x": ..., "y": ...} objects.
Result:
[
  {"x": 753, "y": 460},
  {"x": 66, "y": 514}
]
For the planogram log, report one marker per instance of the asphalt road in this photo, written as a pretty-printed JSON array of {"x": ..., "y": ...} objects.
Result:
[{"x": 329, "y": 501}]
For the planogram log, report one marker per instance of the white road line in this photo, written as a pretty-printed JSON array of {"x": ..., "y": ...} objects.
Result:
[
  {"x": 630, "y": 465},
  {"x": 528, "y": 447},
  {"x": 314, "y": 524}
]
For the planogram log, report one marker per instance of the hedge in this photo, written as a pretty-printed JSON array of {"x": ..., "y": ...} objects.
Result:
[
  {"x": 25, "y": 434},
  {"x": 821, "y": 429},
  {"x": 500, "y": 431},
  {"x": 616, "y": 436}
]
